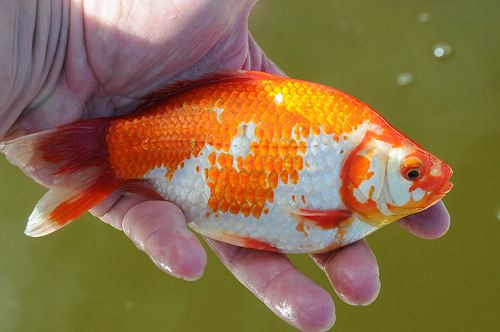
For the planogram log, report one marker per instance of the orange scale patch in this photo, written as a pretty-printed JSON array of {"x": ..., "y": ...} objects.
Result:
[
  {"x": 258, "y": 162},
  {"x": 328, "y": 129},
  {"x": 347, "y": 128},
  {"x": 229, "y": 193},
  {"x": 273, "y": 179},
  {"x": 221, "y": 159},
  {"x": 284, "y": 177},
  {"x": 244, "y": 178},
  {"x": 218, "y": 143},
  {"x": 249, "y": 196},
  {"x": 239, "y": 162},
  {"x": 288, "y": 164},
  {"x": 235, "y": 208},
  {"x": 256, "y": 211},
  {"x": 233, "y": 177},
  {"x": 298, "y": 163},
  {"x": 248, "y": 163},
  {"x": 254, "y": 179},
  {"x": 218, "y": 190},
  {"x": 223, "y": 176},
  {"x": 239, "y": 195},
  {"x": 283, "y": 148},
  {"x": 293, "y": 148},
  {"x": 274, "y": 148},
  {"x": 254, "y": 147},
  {"x": 286, "y": 132},
  {"x": 264, "y": 146},
  {"x": 277, "y": 163}
]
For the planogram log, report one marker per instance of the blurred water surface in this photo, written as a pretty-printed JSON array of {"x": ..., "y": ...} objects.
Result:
[{"x": 432, "y": 68}]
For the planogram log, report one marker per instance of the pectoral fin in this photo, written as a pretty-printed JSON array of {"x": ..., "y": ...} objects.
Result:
[{"x": 325, "y": 219}]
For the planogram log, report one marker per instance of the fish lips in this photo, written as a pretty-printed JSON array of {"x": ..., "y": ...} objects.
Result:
[{"x": 445, "y": 186}]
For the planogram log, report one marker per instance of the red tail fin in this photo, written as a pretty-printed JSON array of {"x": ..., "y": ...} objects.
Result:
[{"x": 75, "y": 156}]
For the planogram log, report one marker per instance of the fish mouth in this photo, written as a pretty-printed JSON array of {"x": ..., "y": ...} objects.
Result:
[
  {"x": 445, "y": 186},
  {"x": 445, "y": 189},
  {"x": 439, "y": 194},
  {"x": 446, "y": 175}
]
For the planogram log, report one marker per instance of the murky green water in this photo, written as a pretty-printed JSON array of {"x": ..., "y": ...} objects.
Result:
[{"x": 432, "y": 68}]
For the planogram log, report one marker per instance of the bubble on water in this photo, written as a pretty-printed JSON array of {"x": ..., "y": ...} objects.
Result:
[
  {"x": 359, "y": 30},
  {"x": 405, "y": 78},
  {"x": 424, "y": 17},
  {"x": 442, "y": 50},
  {"x": 129, "y": 304}
]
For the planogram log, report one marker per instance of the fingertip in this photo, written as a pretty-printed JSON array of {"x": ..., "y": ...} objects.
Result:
[
  {"x": 357, "y": 285},
  {"x": 317, "y": 312},
  {"x": 301, "y": 302},
  {"x": 177, "y": 255},
  {"x": 374, "y": 293},
  {"x": 159, "y": 229},
  {"x": 354, "y": 274}
]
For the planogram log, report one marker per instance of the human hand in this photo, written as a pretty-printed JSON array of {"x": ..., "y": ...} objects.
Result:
[{"x": 99, "y": 61}]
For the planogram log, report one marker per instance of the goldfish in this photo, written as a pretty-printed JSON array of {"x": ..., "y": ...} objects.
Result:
[{"x": 252, "y": 159}]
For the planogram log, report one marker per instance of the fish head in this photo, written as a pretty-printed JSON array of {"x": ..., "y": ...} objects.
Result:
[{"x": 388, "y": 176}]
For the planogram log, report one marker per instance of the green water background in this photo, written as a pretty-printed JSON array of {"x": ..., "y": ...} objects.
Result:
[{"x": 90, "y": 277}]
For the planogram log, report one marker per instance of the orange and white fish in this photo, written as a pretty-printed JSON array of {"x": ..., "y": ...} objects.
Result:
[{"x": 253, "y": 159}]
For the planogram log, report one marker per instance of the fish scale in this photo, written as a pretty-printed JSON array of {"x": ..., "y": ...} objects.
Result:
[{"x": 253, "y": 159}]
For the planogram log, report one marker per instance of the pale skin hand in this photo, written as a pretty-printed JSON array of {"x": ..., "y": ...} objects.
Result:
[{"x": 97, "y": 60}]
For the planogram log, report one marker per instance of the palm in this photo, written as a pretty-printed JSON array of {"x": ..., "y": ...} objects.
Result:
[
  {"x": 121, "y": 51},
  {"x": 115, "y": 57}
]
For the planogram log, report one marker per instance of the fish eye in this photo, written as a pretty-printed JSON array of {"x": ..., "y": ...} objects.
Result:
[
  {"x": 413, "y": 174},
  {"x": 412, "y": 169}
]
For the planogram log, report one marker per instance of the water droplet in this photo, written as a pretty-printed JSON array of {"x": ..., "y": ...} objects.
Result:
[
  {"x": 424, "y": 17},
  {"x": 442, "y": 50},
  {"x": 405, "y": 78},
  {"x": 342, "y": 24},
  {"x": 359, "y": 30},
  {"x": 129, "y": 304}
]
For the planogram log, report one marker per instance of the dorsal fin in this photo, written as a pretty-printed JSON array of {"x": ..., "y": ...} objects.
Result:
[{"x": 182, "y": 84}]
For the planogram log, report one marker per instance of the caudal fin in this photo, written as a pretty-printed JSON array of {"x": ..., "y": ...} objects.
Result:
[{"x": 75, "y": 157}]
